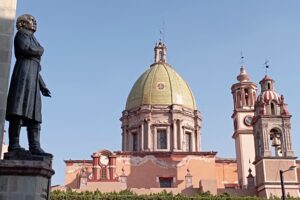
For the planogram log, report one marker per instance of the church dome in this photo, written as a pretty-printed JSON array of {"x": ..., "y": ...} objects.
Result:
[
  {"x": 268, "y": 93},
  {"x": 268, "y": 96},
  {"x": 160, "y": 85}
]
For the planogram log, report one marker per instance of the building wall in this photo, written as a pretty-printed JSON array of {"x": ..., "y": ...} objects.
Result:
[
  {"x": 226, "y": 173},
  {"x": 4, "y": 149},
  {"x": 247, "y": 154},
  {"x": 175, "y": 167},
  {"x": 268, "y": 184},
  {"x": 207, "y": 173},
  {"x": 73, "y": 170},
  {"x": 7, "y": 17}
]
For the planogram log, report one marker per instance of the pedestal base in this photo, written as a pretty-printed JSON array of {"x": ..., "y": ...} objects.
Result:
[{"x": 25, "y": 177}]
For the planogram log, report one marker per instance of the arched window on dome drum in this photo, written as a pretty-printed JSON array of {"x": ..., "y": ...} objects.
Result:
[
  {"x": 269, "y": 86},
  {"x": 162, "y": 139},
  {"x": 134, "y": 141},
  {"x": 188, "y": 141}
]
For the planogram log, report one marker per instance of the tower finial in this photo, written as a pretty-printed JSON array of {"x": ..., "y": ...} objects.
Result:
[
  {"x": 242, "y": 60},
  {"x": 162, "y": 33},
  {"x": 243, "y": 76},
  {"x": 160, "y": 51},
  {"x": 266, "y": 66}
]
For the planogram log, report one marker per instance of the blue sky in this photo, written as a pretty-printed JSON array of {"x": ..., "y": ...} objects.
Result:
[{"x": 95, "y": 50}]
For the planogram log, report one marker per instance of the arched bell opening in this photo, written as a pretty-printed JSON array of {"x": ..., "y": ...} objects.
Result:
[{"x": 276, "y": 142}]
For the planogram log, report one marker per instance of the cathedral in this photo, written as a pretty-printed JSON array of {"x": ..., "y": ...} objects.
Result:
[{"x": 161, "y": 142}]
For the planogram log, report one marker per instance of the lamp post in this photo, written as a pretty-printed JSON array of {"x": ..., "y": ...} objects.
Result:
[{"x": 282, "y": 181}]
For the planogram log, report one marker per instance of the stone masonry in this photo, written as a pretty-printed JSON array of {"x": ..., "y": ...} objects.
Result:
[{"x": 7, "y": 18}]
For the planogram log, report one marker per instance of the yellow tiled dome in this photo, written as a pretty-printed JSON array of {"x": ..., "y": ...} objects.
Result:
[{"x": 160, "y": 85}]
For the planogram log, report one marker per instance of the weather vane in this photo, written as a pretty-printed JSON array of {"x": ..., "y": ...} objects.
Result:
[
  {"x": 242, "y": 59},
  {"x": 162, "y": 33},
  {"x": 267, "y": 66}
]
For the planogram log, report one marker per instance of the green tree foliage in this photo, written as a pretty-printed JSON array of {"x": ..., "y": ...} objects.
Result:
[{"x": 129, "y": 195}]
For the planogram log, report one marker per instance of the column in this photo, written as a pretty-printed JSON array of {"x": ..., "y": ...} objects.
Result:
[
  {"x": 142, "y": 136},
  {"x": 180, "y": 134},
  {"x": 125, "y": 138},
  {"x": 193, "y": 141},
  {"x": 175, "y": 134},
  {"x": 169, "y": 138},
  {"x": 250, "y": 96},
  {"x": 149, "y": 135},
  {"x": 234, "y": 100},
  {"x": 112, "y": 167},
  {"x": 7, "y": 24},
  {"x": 243, "y": 97},
  {"x": 95, "y": 168},
  {"x": 129, "y": 145},
  {"x": 196, "y": 140}
]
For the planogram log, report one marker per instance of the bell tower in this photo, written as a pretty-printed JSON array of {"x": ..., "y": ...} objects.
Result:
[
  {"x": 244, "y": 97},
  {"x": 273, "y": 143}
]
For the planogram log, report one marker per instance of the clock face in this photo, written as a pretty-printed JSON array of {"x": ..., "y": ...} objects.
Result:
[
  {"x": 248, "y": 120},
  {"x": 104, "y": 160}
]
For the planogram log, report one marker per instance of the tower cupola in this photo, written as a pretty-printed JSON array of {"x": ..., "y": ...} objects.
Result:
[
  {"x": 243, "y": 76},
  {"x": 269, "y": 102},
  {"x": 244, "y": 92},
  {"x": 160, "y": 51},
  {"x": 267, "y": 83}
]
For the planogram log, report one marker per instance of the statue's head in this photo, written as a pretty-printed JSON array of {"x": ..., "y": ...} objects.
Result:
[{"x": 26, "y": 21}]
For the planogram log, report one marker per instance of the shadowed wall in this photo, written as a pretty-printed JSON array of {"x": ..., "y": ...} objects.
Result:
[{"x": 7, "y": 22}]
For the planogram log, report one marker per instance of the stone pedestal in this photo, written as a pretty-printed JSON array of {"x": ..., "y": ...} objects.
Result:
[{"x": 25, "y": 177}]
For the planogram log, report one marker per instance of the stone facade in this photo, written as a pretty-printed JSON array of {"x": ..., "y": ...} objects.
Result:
[
  {"x": 7, "y": 17},
  {"x": 273, "y": 144},
  {"x": 161, "y": 142},
  {"x": 185, "y": 172}
]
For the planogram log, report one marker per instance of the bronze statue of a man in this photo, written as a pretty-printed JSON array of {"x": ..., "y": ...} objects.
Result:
[{"x": 26, "y": 86}]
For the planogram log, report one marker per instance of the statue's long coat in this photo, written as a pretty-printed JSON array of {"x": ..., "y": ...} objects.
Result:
[{"x": 24, "y": 96}]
